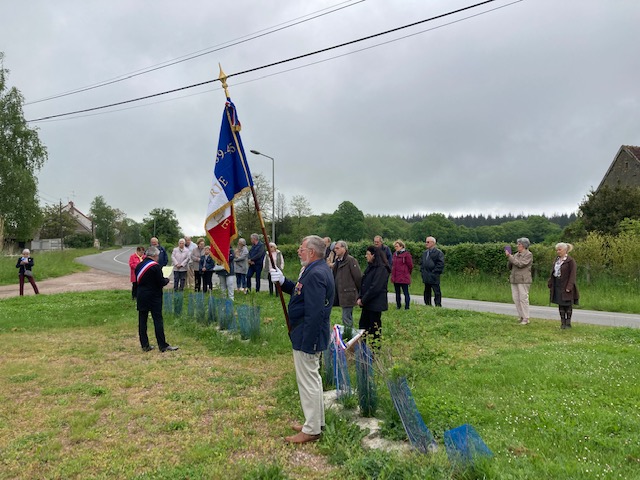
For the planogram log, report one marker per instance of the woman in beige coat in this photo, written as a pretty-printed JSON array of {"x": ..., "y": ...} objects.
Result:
[{"x": 520, "y": 278}]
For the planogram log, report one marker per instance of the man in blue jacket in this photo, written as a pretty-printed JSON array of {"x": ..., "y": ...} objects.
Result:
[
  {"x": 431, "y": 268},
  {"x": 256, "y": 259},
  {"x": 309, "y": 311}
]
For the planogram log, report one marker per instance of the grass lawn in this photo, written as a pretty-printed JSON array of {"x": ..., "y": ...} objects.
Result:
[{"x": 79, "y": 399}]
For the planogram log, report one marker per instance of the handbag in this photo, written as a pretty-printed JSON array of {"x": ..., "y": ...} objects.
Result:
[{"x": 28, "y": 273}]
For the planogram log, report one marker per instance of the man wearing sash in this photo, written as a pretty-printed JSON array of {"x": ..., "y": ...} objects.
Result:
[{"x": 149, "y": 297}]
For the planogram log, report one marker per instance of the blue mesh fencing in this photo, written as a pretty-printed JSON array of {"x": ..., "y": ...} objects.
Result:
[
  {"x": 419, "y": 435},
  {"x": 367, "y": 393},
  {"x": 341, "y": 371},
  {"x": 212, "y": 310},
  {"x": 463, "y": 444},
  {"x": 249, "y": 321},
  {"x": 225, "y": 314}
]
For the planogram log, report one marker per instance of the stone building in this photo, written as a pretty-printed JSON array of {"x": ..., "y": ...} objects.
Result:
[{"x": 624, "y": 170}]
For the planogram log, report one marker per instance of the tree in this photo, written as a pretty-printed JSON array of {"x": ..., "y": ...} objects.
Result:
[
  {"x": 347, "y": 223},
  {"x": 300, "y": 208},
  {"x": 57, "y": 223},
  {"x": 603, "y": 210},
  {"x": 104, "y": 218},
  {"x": 247, "y": 221},
  {"x": 161, "y": 223},
  {"x": 21, "y": 156}
]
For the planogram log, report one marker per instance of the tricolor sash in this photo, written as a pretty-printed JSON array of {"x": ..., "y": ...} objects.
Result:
[{"x": 144, "y": 270}]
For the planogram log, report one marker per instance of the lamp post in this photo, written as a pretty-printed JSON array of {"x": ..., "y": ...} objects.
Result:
[{"x": 273, "y": 194}]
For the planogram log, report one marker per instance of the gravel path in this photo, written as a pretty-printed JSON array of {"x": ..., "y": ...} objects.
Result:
[{"x": 76, "y": 282}]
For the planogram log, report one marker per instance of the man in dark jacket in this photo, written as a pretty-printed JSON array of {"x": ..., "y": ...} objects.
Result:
[
  {"x": 309, "y": 312},
  {"x": 163, "y": 258},
  {"x": 256, "y": 259},
  {"x": 348, "y": 277},
  {"x": 149, "y": 297},
  {"x": 431, "y": 268}
]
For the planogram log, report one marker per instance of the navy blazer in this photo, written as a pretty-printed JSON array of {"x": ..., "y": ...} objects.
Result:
[{"x": 310, "y": 307}]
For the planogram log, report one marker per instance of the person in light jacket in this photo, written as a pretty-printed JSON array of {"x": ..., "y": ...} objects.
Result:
[
  {"x": 401, "y": 269},
  {"x": 180, "y": 261},
  {"x": 348, "y": 278},
  {"x": 266, "y": 264},
  {"x": 241, "y": 264},
  {"x": 520, "y": 278},
  {"x": 194, "y": 261}
]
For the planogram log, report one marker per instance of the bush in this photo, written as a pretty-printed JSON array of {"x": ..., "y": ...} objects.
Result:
[{"x": 78, "y": 240}]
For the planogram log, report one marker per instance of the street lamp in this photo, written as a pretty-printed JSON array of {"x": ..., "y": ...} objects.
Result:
[{"x": 273, "y": 193}]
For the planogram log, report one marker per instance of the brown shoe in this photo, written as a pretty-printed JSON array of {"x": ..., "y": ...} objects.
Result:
[
  {"x": 302, "y": 437},
  {"x": 296, "y": 427}
]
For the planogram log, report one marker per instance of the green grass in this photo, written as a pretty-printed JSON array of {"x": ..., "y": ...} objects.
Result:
[
  {"x": 79, "y": 399},
  {"x": 47, "y": 265}
]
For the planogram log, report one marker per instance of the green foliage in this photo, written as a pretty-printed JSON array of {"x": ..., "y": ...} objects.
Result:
[
  {"x": 161, "y": 223},
  {"x": 104, "y": 218},
  {"x": 57, "y": 223},
  {"x": 78, "y": 240},
  {"x": 21, "y": 156},
  {"x": 603, "y": 210},
  {"x": 347, "y": 223}
]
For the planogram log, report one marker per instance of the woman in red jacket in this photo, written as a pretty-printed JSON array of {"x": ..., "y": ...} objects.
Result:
[
  {"x": 134, "y": 260},
  {"x": 401, "y": 269}
]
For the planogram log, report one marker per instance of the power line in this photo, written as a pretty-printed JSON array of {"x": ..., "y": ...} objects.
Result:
[
  {"x": 295, "y": 68},
  {"x": 369, "y": 37},
  {"x": 199, "y": 53}
]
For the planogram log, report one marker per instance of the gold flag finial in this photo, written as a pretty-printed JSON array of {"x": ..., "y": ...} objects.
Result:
[{"x": 223, "y": 79}]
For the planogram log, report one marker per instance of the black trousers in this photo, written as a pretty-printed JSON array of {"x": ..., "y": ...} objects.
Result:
[
  {"x": 371, "y": 322},
  {"x": 158, "y": 325},
  {"x": 257, "y": 269},
  {"x": 437, "y": 294}
]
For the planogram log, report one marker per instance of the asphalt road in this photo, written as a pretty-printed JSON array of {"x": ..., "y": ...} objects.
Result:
[{"x": 117, "y": 262}]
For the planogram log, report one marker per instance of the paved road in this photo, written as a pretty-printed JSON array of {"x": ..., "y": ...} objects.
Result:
[{"x": 117, "y": 261}]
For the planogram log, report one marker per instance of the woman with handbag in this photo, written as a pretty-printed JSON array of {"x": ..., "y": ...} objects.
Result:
[{"x": 25, "y": 266}]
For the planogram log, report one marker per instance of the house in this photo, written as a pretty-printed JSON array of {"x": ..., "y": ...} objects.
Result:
[
  {"x": 624, "y": 170},
  {"x": 83, "y": 225}
]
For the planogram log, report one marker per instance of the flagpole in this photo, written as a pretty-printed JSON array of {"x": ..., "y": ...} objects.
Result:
[{"x": 223, "y": 79}]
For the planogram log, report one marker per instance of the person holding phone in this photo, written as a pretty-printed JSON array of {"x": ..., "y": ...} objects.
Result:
[
  {"x": 25, "y": 266},
  {"x": 520, "y": 265}
]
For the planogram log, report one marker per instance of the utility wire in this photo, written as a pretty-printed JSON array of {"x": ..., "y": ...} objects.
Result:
[
  {"x": 453, "y": 12},
  {"x": 293, "y": 68},
  {"x": 199, "y": 53}
]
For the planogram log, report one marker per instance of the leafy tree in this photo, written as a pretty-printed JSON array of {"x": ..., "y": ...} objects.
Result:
[
  {"x": 161, "y": 223},
  {"x": 347, "y": 223},
  {"x": 435, "y": 225},
  {"x": 300, "y": 208},
  {"x": 21, "y": 156},
  {"x": 57, "y": 223},
  {"x": 247, "y": 220},
  {"x": 128, "y": 231},
  {"x": 104, "y": 218},
  {"x": 603, "y": 210}
]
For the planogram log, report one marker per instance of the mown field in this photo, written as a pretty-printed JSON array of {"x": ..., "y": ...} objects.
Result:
[{"x": 79, "y": 399}]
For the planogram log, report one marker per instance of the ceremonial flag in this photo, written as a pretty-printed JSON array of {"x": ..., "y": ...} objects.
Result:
[{"x": 231, "y": 177}]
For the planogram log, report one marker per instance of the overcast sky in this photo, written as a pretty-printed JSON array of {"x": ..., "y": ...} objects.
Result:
[{"x": 518, "y": 110}]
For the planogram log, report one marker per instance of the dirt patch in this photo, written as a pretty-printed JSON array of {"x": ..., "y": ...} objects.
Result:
[{"x": 76, "y": 282}]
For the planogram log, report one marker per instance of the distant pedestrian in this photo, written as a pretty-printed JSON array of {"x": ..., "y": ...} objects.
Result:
[
  {"x": 163, "y": 258},
  {"x": 266, "y": 264},
  {"x": 373, "y": 295},
  {"x": 180, "y": 261},
  {"x": 25, "y": 270},
  {"x": 194, "y": 261},
  {"x": 135, "y": 258},
  {"x": 227, "y": 280},
  {"x": 207, "y": 266},
  {"x": 562, "y": 283},
  {"x": 377, "y": 242},
  {"x": 256, "y": 259},
  {"x": 431, "y": 268},
  {"x": 401, "y": 269},
  {"x": 520, "y": 278},
  {"x": 191, "y": 268},
  {"x": 348, "y": 278},
  {"x": 241, "y": 260}
]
